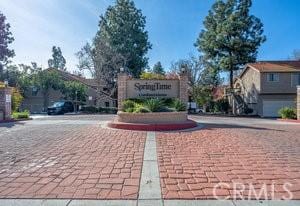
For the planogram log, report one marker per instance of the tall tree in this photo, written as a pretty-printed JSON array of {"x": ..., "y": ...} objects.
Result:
[
  {"x": 296, "y": 55},
  {"x": 6, "y": 38},
  {"x": 231, "y": 36},
  {"x": 158, "y": 69},
  {"x": 123, "y": 28},
  {"x": 45, "y": 80},
  {"x": 58, "y": 61},
  {"x": 194, "y": 67}
]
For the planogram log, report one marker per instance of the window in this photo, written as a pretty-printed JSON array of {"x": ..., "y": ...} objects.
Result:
[
  {"x": 273, "y": 77},
  {"x": 106, "y": 104},
  {"x": 296, "y": 79}
]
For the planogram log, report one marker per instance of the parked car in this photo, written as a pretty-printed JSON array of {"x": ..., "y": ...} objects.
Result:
[{"x": 61, "y": 107}]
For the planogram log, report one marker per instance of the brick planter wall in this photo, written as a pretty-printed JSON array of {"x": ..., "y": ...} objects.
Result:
[{"x": 156, "y": 117}]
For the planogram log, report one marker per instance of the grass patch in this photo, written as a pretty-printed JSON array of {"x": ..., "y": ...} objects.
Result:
[{"x": 21, "y": 115}]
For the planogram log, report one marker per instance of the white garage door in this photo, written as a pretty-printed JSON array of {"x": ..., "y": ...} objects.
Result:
[{"x": 271, "y": 107}]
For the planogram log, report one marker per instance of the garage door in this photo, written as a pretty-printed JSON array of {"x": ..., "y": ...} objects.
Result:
[{"x": 271, "y": 107}]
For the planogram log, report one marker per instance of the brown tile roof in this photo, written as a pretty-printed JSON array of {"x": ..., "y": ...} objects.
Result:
[
  {"x": 276, "y": 66},
  {"x": 73, "y": 77}
]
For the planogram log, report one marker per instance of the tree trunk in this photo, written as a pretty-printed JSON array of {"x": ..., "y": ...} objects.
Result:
[
  {"x": 231, "y": 78},
  {"x": 46, "y": 100},
  {"x": 1, "y": 72}
]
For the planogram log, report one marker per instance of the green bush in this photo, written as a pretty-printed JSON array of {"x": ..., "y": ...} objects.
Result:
[
  {"x": 287, "y": 113},
  {"x": 21, "y": 115},
  {"x": 179, "y": 106},
  {"x": 89, "y": 109},
  {"x": 221, "y": 105},
  {"x": 129, "y": 110},
  {"x": 16, "y": 100},
  {"x": 128, "y": 105},
  {"x": 154, "y": 105},
  {"x": 141, "y": 109},
  {"x": 108, "y": 110},
  {"x": 168, "y": 102}
]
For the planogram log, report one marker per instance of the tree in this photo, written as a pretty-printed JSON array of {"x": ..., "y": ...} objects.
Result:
[
  {"x": 58, "y": 61},
  {"x": 158, "y": 69},
  {"x": 193, "y": 66},
  {"x": 231, "y": 36},
  {"x": 5, "y": 39},
  {"x": 296, "y": 55},
  {"x": 202, "y": 95},
  {"x": 44, "y": 81},
  {"x": 123, "y": 28},
  {"x": 16, "y": 99},
  {"x": 86, "y": 58},
  {"x": 101, "y": 60},
  {"x": 74, "y": 91}
]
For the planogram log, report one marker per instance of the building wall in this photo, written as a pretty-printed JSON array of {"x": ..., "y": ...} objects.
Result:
[
  {"x": 34, "y": 103},
  {"x": 256, "y": 89},
  {"x": 284, "y": 85},
  {"x": 250, "y": 88},
  {"x": 275, "y": 97}
]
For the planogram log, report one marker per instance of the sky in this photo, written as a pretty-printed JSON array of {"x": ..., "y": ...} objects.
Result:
[{"x": 173, "y": 27}]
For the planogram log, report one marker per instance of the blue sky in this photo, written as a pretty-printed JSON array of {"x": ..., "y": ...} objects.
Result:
[{"x": 173, "y": 27}]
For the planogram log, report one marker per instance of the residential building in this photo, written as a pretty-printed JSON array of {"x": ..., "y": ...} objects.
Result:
[
  {"x": 34, "y": 99},
  {"x": 266, "y": 87}
]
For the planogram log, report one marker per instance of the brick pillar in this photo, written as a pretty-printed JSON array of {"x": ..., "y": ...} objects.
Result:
[
  {"x": 298, "y": 102},
  {"x": 5, "y": 102},
  {"x": 122, "y": 89},
  {"x": 183, "y": 87}
]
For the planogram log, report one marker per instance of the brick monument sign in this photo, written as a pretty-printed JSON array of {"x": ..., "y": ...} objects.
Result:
[
  {"x": 5, "y": 102},
  {"x": 141, "y": 88}
]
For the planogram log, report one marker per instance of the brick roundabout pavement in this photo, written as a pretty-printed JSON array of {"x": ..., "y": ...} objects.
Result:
[
  {"x": 84, "y": 161},
  {"x": 229, "y": 163},
  {"x": 88, "y": 163}
]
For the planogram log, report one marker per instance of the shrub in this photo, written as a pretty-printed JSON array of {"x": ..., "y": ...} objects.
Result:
[
  {"x": 179, "y": 106},
  {"x": 154, "y": 105},
  {"x": 21, "y": 115},
  {"x": 129, "y": 110},
  {"x": 108, "y": 110},
  {"x": 287, "y": 113},
  {"x": 141, "y": 109},
  {"x": 248, "y": 110},
  {"x": 89, "y": 109},
  {"x": 150, "y": 75},
  {"x": 128, "y": 105},
  {"x": 16, "y": 100},
  {"x": 168, "y": 102}
]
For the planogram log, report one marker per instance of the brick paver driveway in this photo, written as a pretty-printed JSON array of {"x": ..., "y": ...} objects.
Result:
[
  {"x": 69, "y": 157},
  {"x": 74, "y": 157},
  {"x": 252, "y": 155}
]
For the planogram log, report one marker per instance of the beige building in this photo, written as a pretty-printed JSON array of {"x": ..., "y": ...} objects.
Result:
[
  {"x": 267, "y": 86},
  {"x": 34, "y": 100}
]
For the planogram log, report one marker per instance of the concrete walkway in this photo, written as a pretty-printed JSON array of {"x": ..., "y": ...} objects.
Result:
[{"x": 30, "y": 202}]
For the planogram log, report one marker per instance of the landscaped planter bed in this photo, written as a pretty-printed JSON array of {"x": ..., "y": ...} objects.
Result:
[{"x": 155, "y": 117}]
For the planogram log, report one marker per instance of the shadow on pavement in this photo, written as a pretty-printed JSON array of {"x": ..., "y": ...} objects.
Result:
[
  {"x": 235, "y": 126},
  {"x": 11, "y": 124}
]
